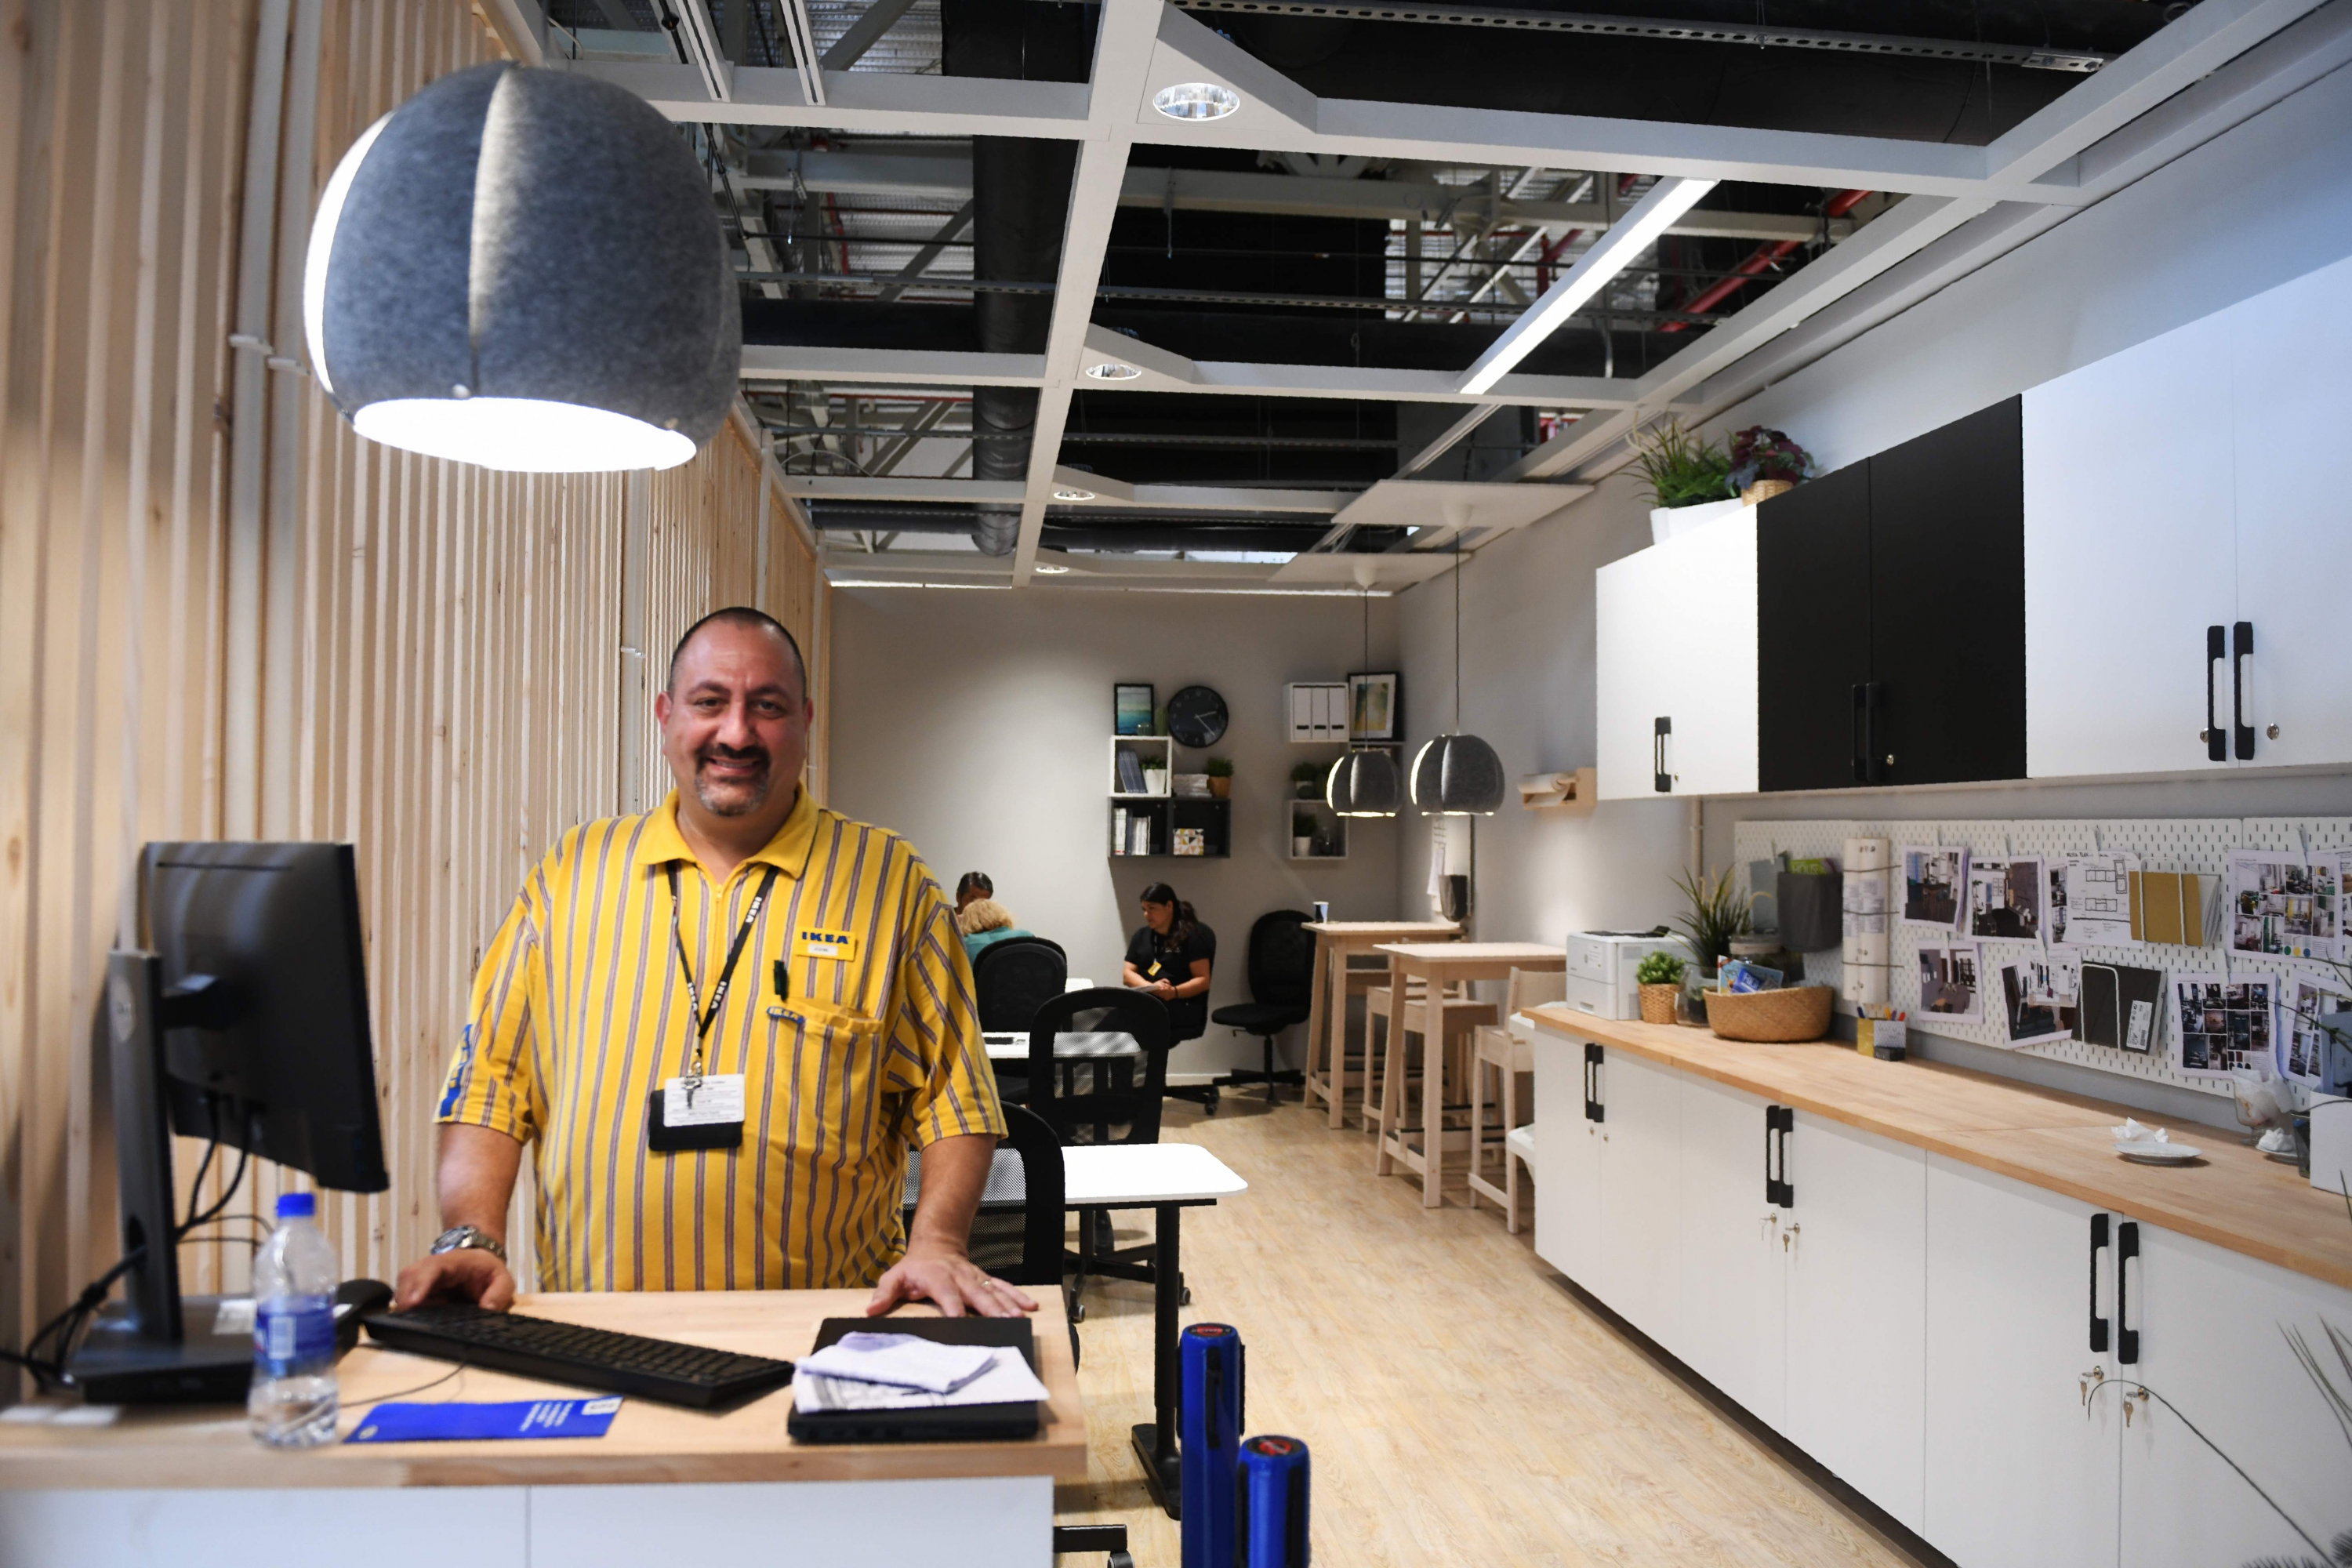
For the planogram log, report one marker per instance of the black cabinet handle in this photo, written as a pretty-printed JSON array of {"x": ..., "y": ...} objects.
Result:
[
  {"x": 1660, "y": 780},
  {"x": 1787, "y": 1187},
  {"x": 1779, "y": 1121},
  {"x": 1593, "y": 1109},
  {"x": 1771, "y": 1182},
  {"x": 2242, "y": 648},
  {"x": 1861, "y": 737},
  {"x": 2216, "y": 743},
  {"x": 2098, "y": 1245},
  {"x": 2127, "y": 1337}
]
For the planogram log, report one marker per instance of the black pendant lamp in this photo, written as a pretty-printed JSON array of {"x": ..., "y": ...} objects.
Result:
[
  {"x": 1458, "y": 775},
  {"x": 523, "y": 268},
  {"x": 1364, "y": 783}
]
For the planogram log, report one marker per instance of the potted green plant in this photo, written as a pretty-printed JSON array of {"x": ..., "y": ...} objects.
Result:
[
  {"x": 1717, "y": 912},
  {"x": 1766, "y": 463},
  {"x": 1221, "y": 777},
  {"x": 1307, "y": 780},
  {"x": 1689, "y": 477},
  {"x": 1660, "y": 977}
]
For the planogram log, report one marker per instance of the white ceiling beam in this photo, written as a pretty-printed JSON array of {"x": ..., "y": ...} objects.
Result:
[
  {"x": 879, "y": 101},
  {"x": 912, "y": 367},
  {"x": 1114, "y": 98},
  {"x": 1108, "y": 493},
  {"x": 1478, "y": 414}
]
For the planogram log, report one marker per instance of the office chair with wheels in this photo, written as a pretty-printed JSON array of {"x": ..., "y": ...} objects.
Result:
[
  {"x": 1282, "y": 979},
  {"x": 1121, "y": 1103},
  {"x": 1011, "y": 979}
]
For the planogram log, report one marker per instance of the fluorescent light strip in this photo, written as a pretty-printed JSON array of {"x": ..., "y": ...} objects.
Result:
[{"x": 1647, "y": 219}]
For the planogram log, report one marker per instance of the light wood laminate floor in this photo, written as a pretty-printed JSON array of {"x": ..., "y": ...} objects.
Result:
[{"x": 1461, "y": 1404}]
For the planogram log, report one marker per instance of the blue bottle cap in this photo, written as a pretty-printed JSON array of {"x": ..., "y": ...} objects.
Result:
[{"x": 297, "y": 1205}]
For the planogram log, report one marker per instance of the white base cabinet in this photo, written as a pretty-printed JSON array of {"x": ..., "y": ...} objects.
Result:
[
  {"x": 2019, "y": 1471},
  {"x": 1926, "y": 1330}
]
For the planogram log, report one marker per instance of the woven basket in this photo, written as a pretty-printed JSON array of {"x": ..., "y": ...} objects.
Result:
[
  {"x": 1771, "y": 1018},
  {"x": 1658, "y": 1003},
  {"x": 1764, "y": 489}
]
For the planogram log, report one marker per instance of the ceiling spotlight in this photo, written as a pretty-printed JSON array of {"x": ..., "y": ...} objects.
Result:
[
  {"x": 1045, "y": 571},
  {"x": 522, "y": 269},
  {"x": 1113, "y": 370},
  {"x": 1196, "y": 100},
  {"x": 1073, "y": 495}
]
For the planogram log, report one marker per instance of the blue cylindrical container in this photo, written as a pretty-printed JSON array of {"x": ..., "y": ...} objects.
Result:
[
  {"x": 1270, "y": 1504},
  {"x": 1209, "y": 1435}
]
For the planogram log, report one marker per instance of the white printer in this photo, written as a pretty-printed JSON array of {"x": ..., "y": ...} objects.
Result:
[{"x": 1600, "y": 966}]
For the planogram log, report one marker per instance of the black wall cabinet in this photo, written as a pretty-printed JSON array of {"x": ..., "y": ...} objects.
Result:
[{"x": 1891, "y": 616}]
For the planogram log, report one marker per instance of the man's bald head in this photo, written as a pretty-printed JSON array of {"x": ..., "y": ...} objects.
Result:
[{"x": 748, "y": 619}]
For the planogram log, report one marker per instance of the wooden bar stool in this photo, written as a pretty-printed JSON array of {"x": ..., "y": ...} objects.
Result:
[
  {"x": 1445, "y": 1023},
  {"x": 1505, "y": 1050},
  {"x": 1333, "y": 1070}
]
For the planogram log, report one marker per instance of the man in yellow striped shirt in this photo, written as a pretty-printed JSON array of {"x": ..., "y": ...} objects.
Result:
[{"x": 719, "y": 1026}]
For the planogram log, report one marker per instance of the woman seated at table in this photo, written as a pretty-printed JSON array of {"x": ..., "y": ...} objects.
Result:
[
  {"x": 984, "y": 922},
  {"x": 1169, "y": 957}
]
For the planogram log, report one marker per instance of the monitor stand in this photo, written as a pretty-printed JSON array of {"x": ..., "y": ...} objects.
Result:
[
  {"x": 153, "y": 1346},
  {"x": 210, "y": 1363}
]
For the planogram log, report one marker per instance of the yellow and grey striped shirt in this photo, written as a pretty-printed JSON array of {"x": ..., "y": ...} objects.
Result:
[{"x": 581, "y": 1010}]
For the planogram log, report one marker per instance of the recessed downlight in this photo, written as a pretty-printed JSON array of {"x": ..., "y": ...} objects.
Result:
[
  {"x": 1196, "y": 100},
  {"x": 1072, "y": 494},
  {"x": 1113, "y": 370}
]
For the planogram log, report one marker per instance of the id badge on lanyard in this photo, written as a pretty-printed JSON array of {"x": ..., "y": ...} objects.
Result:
[{"x": 697, "y": 1110}]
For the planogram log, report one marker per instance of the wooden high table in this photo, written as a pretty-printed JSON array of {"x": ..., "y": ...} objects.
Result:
[
  {"x": 1327, "y": 1022},
  {"x": 187, "y": 1486},
  {"x": 1441, "y": 964}
]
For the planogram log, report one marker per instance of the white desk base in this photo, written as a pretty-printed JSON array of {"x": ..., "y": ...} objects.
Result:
[{"x": 994, "y": 1522}]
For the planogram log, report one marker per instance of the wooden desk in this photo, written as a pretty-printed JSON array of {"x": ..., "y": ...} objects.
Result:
[
  {"x": 1441, "y": 964},
  {"x": 2234, "y": 1199},
  {"x": 1326, "y": 1024},
  {"x": 189, "y": 1486}
]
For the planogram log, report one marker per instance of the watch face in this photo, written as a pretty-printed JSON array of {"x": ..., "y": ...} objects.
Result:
[{"x": 1196, "y": 717}]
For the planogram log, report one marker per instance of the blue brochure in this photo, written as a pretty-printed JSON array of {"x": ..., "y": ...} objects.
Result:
[{"x": 514, "y": 1418}]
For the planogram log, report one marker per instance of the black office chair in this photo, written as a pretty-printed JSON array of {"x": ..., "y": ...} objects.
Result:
[
  {"x": 1281, "y": 979},
  {"x": 1121, "y": 1103},
  {"x": 1011, "y": 979}
]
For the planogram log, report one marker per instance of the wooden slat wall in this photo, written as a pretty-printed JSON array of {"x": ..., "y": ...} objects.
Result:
[{"x": 433, "y": 662}]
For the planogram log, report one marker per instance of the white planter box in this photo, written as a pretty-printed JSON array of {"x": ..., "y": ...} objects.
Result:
[{"x": 1665, "y": 521}]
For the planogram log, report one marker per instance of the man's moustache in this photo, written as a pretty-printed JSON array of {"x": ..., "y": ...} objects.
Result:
[{"x": 722, "y": 756}]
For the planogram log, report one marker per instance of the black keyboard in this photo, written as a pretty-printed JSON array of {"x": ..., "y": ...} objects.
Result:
[{"x": 591, "y": 1358}]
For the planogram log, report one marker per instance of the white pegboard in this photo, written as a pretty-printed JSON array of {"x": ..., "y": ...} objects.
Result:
[{"x": 2201, "y": 845}]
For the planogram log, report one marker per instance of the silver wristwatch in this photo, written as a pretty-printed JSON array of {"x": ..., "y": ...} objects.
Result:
[{"x": 463, "y": 1236}]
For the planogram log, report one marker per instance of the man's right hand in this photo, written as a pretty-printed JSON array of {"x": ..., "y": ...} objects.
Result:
[{"x": 468, "y": 1274}]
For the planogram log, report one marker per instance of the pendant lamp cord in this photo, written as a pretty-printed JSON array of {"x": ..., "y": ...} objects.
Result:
[{"x": 1457, "y": 636}]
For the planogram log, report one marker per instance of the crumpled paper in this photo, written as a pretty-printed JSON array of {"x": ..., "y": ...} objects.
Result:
[{"x": 2131, "y": 1132}]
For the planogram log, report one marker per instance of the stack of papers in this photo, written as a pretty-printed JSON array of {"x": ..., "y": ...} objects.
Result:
[{"x": 906, "y": 1372}]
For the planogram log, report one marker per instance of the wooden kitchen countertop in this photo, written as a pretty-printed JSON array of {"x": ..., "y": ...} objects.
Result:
[
  {"x": 2234, "y": 1198},
  {"x": 208, "y": 1445}
]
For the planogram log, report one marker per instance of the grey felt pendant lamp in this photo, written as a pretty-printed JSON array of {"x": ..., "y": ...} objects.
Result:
[
  {"x": 1364, "y": 783},
  {"x": 523, "y": 268},
  {"x": 1458, "y": 775}
]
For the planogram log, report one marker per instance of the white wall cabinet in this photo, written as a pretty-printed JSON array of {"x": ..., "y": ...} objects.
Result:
[
  {"x": 2210, "y": 1339},
  {"x": 1674, "y": 640},
  {"x": 2183, "y": 490},
  {"x": 2019, "y": 1472}
]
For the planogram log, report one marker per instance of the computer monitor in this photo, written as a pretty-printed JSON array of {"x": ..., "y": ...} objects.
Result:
[{"x": 245, "y": 1022}]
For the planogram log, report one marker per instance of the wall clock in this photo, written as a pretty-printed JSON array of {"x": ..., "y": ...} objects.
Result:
[{"x": 1196, "y": 717}]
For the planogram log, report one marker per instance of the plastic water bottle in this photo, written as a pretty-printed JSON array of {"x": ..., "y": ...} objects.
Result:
[{"x": 294, "y": 1401}]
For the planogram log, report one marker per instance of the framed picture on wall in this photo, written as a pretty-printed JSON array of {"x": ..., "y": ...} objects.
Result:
[
  {"x": 1375, "y": 705},
  {"x": 1130, "y": 705}
]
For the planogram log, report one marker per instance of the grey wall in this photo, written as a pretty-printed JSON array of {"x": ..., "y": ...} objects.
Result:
[
  {"x": 2266, "y": 203},
  {"x": 978, "y": 723}
]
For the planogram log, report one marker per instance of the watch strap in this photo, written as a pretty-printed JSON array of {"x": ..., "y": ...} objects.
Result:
[{"x": 460, "y": 1236}]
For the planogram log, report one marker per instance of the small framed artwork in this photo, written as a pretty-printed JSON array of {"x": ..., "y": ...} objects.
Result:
[
  {"x": 1375, "y": 705},
  {"x": 1131, "y": 709}
]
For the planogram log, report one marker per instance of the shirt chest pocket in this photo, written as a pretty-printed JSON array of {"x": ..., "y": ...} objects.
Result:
[{"x": 829, "y": 1089}]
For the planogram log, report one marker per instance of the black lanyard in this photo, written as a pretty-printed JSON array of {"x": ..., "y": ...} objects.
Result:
[{"x": 702, "y": 1020}]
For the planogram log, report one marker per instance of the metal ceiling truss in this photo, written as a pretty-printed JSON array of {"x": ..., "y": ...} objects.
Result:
[{"x": 2219, "y": 63}]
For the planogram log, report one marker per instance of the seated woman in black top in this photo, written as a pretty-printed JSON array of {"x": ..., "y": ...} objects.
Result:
[{"x": 1169, "y": 957}]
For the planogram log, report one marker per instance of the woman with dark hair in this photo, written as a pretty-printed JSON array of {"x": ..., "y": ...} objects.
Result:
[
  {"x": 971, "y": 886},
  {"x": 1170, "y": 957}
]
